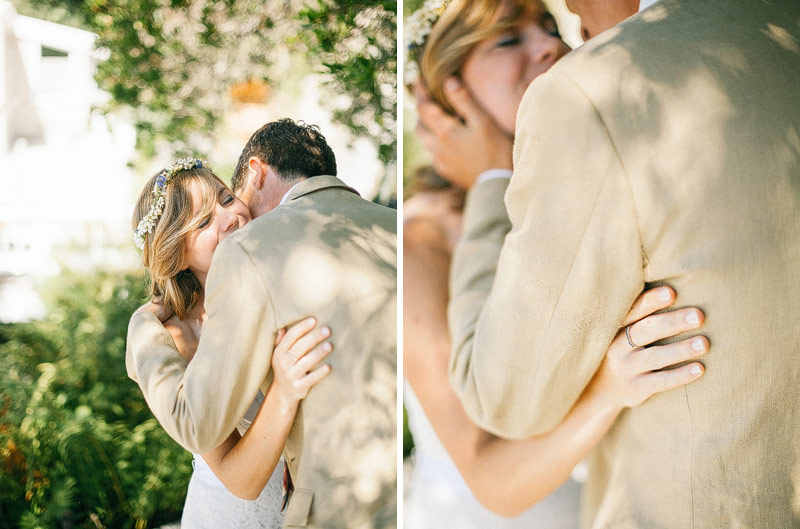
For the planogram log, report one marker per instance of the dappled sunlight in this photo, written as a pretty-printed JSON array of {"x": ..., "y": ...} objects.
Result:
[
  {"x": 701, "y": 112},
  {"x": 782, "y": 37},
  {"x": 315, "y": 278},
  {"x": 359, "y": 430},
  {"x": 678, "y": 124},
  {"x": 649, "y": 105},
  {"x": 731, "y": 59},
  {"x": 336, "y": 260},
  {"x": 316, "y": 275},
  {"x": 654, "y": 14}
]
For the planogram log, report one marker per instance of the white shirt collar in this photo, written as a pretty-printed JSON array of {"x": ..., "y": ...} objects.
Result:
[
  {"x": 644, "y": 4},
  {"x": 286, "y": 195}
]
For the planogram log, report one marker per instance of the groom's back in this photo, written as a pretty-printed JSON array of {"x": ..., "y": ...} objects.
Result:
[
  {"x": 701, "y": 101},
  {"x": 330, "y": 254}
]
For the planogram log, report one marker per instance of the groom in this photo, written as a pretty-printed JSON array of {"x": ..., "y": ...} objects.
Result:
[
  {"x": 665, "y": 150},
  {"x": 316, "y": 249}
]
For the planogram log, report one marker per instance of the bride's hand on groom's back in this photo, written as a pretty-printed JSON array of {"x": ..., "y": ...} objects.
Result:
[
  {"x": 296, "y": 357},
  {"x": 631, "y": 372}
]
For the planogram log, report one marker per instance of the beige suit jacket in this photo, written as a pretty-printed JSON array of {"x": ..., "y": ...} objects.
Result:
[
  {"x": 325, "y": 253},
  {"x": 665, "y": 151}
]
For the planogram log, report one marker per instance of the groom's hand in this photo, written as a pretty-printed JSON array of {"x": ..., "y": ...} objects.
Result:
[{"x": 465, "y": 145}]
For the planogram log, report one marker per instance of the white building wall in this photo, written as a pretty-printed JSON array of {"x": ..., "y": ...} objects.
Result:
[{"x": 63, "y": 166}]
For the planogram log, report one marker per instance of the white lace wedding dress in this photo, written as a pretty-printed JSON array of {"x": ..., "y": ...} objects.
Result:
[
  {"x": 209, "y": 505},
  {"x": 438, "y": 497}
]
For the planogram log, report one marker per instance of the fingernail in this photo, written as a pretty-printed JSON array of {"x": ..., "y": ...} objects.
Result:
[
  {"x": 695, "y": 370},
  {"x": 326, "y": 347},
  {"x": 451, "y": 84},
  {"x": 692, "y": 318},
  {"x": 325, "y": 331},
  {"x": 697, "y": 344},
  {"x": 664, "y": 294},
  {"x": 309, "y": 321}
]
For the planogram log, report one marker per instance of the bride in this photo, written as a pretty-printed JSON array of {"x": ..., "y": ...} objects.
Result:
[
  {"x": 181, "y": 215},
  {"x": 469, "y": 65}
]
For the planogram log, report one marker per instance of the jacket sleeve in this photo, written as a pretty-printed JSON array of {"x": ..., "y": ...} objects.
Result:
[
  {"x": 200, "y": 404},
  {"x": 527, "y": 343}
]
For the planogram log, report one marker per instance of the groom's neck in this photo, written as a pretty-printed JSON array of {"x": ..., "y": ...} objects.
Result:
[{"x": 274, "y": 195}]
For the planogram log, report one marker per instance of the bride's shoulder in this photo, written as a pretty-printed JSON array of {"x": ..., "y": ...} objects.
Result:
[
  {"x": 154, "y": 316},
  {"x": 148, "y": 324},
  {"x": 147, "y": 335},
  {"x": 145, "y": 332},
  {"x": 432, "y": 219},
  {"x": 151, "y": 325},
  {"x": 156, "y": 309}
]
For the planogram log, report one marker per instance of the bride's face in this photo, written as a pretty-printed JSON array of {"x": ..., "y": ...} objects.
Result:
[
  {"x": 228, "y": 215},
  {"x": 500, "y": 68}
]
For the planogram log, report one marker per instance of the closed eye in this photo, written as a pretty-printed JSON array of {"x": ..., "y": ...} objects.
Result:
[
  {"x": 204, "y": 224},
  {"x": 509, "y": 40},
  {"x": 548, "y": 23}
]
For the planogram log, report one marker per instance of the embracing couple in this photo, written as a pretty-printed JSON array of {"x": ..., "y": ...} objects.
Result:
[
  {"x": 251, "y": 286},
  {"x": 657, "y": 164}
]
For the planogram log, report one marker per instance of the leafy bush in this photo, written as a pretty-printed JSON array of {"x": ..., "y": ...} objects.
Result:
[{"x": 78, "y": 445}]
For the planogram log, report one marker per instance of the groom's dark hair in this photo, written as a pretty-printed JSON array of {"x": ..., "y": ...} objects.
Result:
[{"x": 294, "y": 149}]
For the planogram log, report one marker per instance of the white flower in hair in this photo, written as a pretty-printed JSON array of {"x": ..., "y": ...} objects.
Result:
[
  {"x": 148, "y": 223},
  {"x": 418, "y": 27}
]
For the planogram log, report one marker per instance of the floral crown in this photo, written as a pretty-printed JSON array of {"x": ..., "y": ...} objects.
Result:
[
  {"x": 147, "y": 224},
  {"x": 418, "y": 27}
]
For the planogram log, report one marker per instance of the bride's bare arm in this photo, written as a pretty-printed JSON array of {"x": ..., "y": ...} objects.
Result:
[
  {"x": 244, "y": 464},
  {"x": 531, "y": 468},
  {"x": 626, "y": 378}
]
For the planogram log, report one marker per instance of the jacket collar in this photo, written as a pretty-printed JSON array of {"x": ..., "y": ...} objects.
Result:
[{"x": 315, "y": 183}]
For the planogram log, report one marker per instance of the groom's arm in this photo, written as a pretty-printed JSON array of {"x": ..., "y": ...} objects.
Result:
[
  {"x": 201, "y": 405},
  {"x": 526, "y": 344}
]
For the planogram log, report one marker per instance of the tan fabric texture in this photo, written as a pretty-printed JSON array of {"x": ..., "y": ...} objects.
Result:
[
  {"x": 665, "y": 151},
  {"x": 326, "y": 253}
]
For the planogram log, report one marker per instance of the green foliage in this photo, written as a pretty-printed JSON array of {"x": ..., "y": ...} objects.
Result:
[
  {"x": 408, "y": 440},
  {"x": 409, "y": 6},
  {"x": 78, "y": 445},
  {"x": 355, "y": 43},
  {"x": 172, "y": 64},
  {"x": 66, "y": 12}
]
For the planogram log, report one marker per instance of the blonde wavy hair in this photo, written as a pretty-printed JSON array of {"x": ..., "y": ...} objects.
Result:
[
  {"x": 171, "y": 283},
  {"x": 462, "y": 25}
]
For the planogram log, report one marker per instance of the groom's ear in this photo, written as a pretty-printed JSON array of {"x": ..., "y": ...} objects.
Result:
[{"x": 258, "y": 172}]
